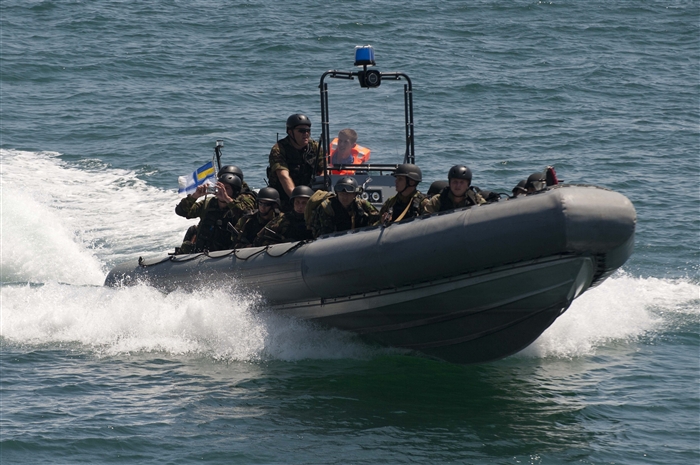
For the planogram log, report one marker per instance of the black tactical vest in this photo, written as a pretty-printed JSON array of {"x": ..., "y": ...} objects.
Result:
[{"x": 297, "y": 228}]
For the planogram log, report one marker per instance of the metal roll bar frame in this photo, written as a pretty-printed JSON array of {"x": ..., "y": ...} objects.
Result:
[{"x": 409, "y": 154}]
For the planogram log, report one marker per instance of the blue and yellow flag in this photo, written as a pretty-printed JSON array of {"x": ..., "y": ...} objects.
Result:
[{"x": 204, "y": 173}]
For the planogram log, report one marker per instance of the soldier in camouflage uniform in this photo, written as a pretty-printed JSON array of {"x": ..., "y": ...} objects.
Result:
[
  {"x": 245, "y": 202},
  {"x": 226, "y": 206},
  {"x": 343, "y": 211},
  {"x": 407, "y": 201},
  {"x": 294, "y": 160},
  {"x": 251, "y": 225},
  {"x": 290, "y": 226},
  {"x": 457, "y": 194}
]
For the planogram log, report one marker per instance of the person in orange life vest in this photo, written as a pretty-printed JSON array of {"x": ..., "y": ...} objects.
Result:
[{"x": 345, "y": 151}]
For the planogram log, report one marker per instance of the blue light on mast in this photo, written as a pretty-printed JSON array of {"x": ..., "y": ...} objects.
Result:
[{"x": 364, "y": 55}]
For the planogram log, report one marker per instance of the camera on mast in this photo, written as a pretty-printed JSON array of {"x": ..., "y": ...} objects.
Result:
[{"x": 364, "y": 57}]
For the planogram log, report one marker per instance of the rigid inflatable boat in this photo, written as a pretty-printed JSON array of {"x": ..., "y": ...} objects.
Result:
[{"x": 467, "y": 286}]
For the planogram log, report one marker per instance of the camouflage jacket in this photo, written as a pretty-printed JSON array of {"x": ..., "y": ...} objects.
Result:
[
  {"x": 248, "y": 228},
  {"x": 330, "y": 216},
  {"x": 242, "y": 204},
  {"x": 302, "y": 164},
  {"x": 397, "y": 204},
  {"x": 288, "y": 227},
  {"x": 445, "y": 201},
  {"x": 212, "y": 230}
]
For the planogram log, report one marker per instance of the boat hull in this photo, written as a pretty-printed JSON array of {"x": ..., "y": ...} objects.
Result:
[{"x": 470, "y": 319}]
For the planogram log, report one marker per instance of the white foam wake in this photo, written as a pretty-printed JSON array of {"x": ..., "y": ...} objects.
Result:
[
  {"x": 623, "y": 308},
  {"x": 230, "y": 326},
  {"x": 209, "y": 323},
  {"x": 69, "y": 222}
]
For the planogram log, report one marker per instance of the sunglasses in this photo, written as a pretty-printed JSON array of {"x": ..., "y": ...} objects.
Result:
[
  {"x": 353, "y": 190},
  {"x": 266, "y": 204},
  {"x": 304, "y": 131}
]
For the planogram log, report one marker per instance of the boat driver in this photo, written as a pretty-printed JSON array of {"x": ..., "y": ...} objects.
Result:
[
  {"x": 458, "y": 193},
  {"x": 215, "y": 212},
  {"x": 294, "y": 160},
  {"x": 408, "y": 199},
  {"x": 343, "y": 211}
]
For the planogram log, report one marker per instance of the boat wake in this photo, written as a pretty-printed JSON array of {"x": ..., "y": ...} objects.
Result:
[
  {"x": 622, "y": 309},
  {"x": 210, "y": 323},
  {"x": 228, "y": 326}
]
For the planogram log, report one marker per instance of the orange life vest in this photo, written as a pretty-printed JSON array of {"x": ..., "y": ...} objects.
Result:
[{"x": 360, "y": 156}]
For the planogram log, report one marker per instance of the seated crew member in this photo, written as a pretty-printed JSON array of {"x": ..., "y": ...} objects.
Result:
[
  {"x": 294, "y": 160},
  {"x": 290, "y": 226},
  {"x": 536, "y": 182},
  {"x": 407, "y": 201},
  {"x": 343, "y": 211},
  {"x": 246, "y": 198},
  {"x": 249, "y": 226},
  {"x": 345, "y": 151},
  {"x": 519, "y": 188},
  {"x": 457, "y": 194},
  {"x": 226, "y": 206},
  {"x": 242, "y": 204}
]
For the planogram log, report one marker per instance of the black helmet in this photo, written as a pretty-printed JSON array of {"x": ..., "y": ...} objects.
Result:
[
  {"x": 436, "y": 187},
  {"x": 302, "y": 191},
  {"x": 233, "y": 181},
  {"x": 537, "y": 181},
  {"x": 269, "y": 194},
  {"x": 409, "y": 170},
  {"x": 231, "y": 169},
  {"x": 520, "y": 187},
  {"x": 298, "y": 119},
  {"x": 460, "y": 172},
  {"x": 347, "y": 184}
]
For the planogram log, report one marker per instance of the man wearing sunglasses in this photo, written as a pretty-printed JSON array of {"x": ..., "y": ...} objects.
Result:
[{"x": 294, "y": 160}]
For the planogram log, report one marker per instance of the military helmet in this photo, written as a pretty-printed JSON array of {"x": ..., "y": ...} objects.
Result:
[
  {"x": 347, "y": 184},
  {"x": 269, "y": 194},
  {"x": 436, "y": 187},
  {"x": 520, "y": 187},
  {"x": 409, "y": 170},
  {"x": 233, "y": 181},
  {"x": 231, "y": 169},
  {"x": 302, "y": 191},
  {"x": 298, "y": 119},
  {"x": 460, "y": 172},
  {"x": 537, "y": 180}
]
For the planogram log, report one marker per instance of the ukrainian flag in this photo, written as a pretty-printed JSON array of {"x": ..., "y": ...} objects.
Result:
[{"x": 201, "y": 175}]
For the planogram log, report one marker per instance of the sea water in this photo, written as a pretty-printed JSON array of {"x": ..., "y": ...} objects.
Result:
[{"x": 104, "y": 104}]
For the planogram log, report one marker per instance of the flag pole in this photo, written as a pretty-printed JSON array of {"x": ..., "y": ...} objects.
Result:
[{"x": 217, "y": 152}]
